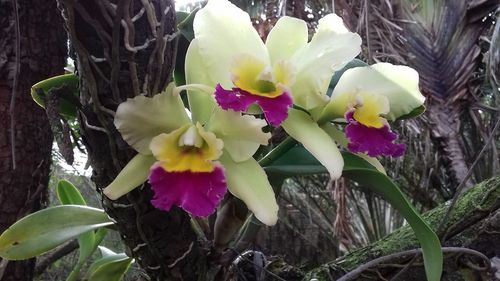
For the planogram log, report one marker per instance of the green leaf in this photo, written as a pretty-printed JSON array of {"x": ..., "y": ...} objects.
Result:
[
  {"x": 336, "y": 77},
  {"x": 185, "y": 23},
  {"x": 414, "y": 113},
  {"x": 185, "y": 26},
  {"x": 44, "y": 230},
  {"x": 105, "y": 252},
  {"x": 109, "y": 268},
  {"x": 385, "y": 187},
  {"x": 298, "y": 161},
  {"x": 100, "y": 234},
  {"x": 68, "y": 103},
  {"x": 68, "y": 194}
]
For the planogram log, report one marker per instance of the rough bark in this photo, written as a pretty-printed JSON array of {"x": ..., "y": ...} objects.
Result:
[
  {"x": 118, "y": 58},
  {"x": 42, "y": 55},
  {"x": 474, "y": 223},
  {"x": 445, "y": 131}
]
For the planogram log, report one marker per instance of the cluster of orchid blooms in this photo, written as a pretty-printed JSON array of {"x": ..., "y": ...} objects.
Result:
[{"x": 192, "y": 158}]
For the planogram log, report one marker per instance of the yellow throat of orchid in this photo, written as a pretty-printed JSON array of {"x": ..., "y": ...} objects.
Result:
[
  {"x": 369, "y": 107},
  {"x": 254, "y": 76},
  {"x": 189, "y": 148}
]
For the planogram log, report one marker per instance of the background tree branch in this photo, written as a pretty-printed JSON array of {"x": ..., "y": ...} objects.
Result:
[{"x": 474, "y": 224}]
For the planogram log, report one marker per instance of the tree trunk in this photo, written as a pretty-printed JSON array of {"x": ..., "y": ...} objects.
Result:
[
  {"x": 42, "y": 47},
  {"x": 118, "y": 58},
  {"x": 445, "y": 130}
]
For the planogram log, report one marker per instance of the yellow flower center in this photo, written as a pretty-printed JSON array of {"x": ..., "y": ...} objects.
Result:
[
  {"x": 187, "y": 148},
  {"x": 254, "y": 76},
  {"x": 368, "y": 109}
]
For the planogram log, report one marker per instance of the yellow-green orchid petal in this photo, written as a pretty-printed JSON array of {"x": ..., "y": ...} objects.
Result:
[
  {"x": 247, "y": 181},
  {"x": 287, "y": 37},
  {"x": 242, "y": 134},
  {"x": 201, "y": 104},
  {"x": 330, "y": 49},
  {"x": 397, "y": 83},
  {"x": 221, "y": 17},
  {"x": 304, "y": 129},
  {"x": 131, "y": 176},
  {"x": 142, "y": 118}
]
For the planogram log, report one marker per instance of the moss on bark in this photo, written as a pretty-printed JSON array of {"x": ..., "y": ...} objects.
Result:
[{"x": 462, "y": 227}]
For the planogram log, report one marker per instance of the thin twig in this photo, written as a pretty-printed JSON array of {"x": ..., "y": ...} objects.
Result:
[
  {"x": 352, "y": 275},
  {"x": 15, "y": 85},
  {"x": 48, "y": 259},
  {"x": 405, "y": 268}
]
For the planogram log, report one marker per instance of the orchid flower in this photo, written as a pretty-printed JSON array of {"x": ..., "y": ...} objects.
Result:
[
  {"x": 190, "y": 164},
  {"x": 228, "y": 54},
  {"x": 368, "y": 97}
]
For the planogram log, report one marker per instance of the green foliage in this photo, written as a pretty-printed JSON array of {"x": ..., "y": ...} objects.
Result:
[
  {"x": 414, "y": 113},
  {"x": 68, "y": 102},
  {"x": 111, "y": 267},
  {"x": 69, "y": 194},
  {"x": 298, "y": 161},
  {"x": 385, "y": 187},
  {"x": 46, "y": 229},
  {"x": 185, "y": 26}
]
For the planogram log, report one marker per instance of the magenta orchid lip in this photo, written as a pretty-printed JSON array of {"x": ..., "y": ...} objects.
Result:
[
  {"x": 198, "y": 193},
  {"x": 370, "y": 140},
  {"x": 275, "y": 109}
]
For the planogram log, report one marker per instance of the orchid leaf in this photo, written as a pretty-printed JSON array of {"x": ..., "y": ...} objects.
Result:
[
  {"x": 414, "y": 113},
  {"x": 298, "y": 161},
  {"x": 106, "y": 252},
  {"x": 185, "y": 23},
  {"x": 68, "y": 194},
  {"x": 46, "y": 229},
  {"x": 185, "y": 26},
  {"x": 68, "y": 101},
  {"x": 385, "y": 187},
  {"x": 111, "y": 267}
]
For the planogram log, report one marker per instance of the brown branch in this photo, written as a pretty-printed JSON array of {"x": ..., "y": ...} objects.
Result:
[
  {"x": 401, "y": 255},
  {"x": 49, "y": 258},
  {"x": 474, "y": 224},
  {"x": 459, "y": 188}
]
